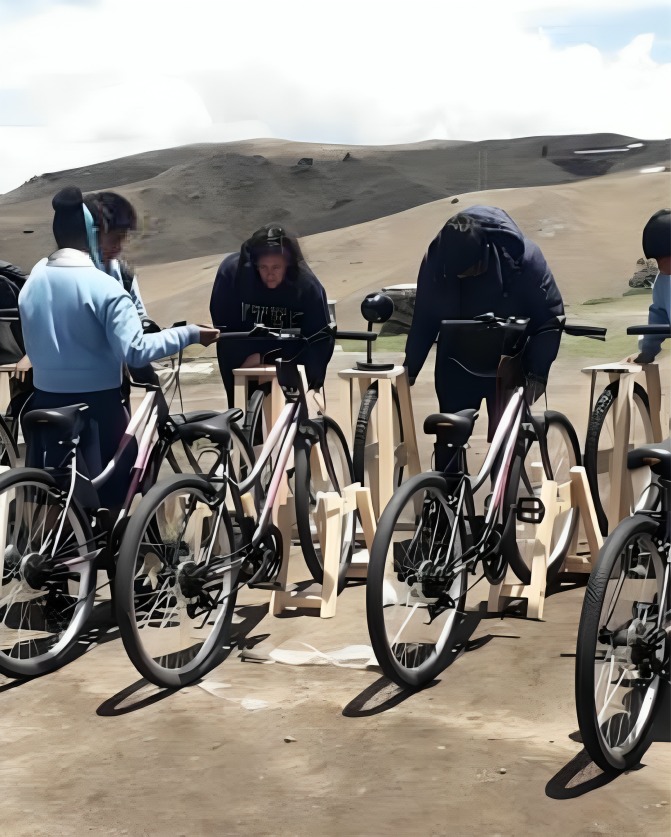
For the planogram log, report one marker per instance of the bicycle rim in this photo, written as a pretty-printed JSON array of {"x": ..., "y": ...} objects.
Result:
[
  {"x": 416, "y": 588},
  {"x": 174, "y": 609},
  {"x": 44, "y": 601}
]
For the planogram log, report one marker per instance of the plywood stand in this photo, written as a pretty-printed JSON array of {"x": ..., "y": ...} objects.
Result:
[
  {"x": 331, "y": 507},
  {"x": 556, "y": 499}
]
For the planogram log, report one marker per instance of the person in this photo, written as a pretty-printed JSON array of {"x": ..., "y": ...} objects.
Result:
[
  {"x": 657, "y": 245},
  {"x": 80, "y": 326},
  {"x": 481, "y": 262},
  {"x": 115, "y": 218},
  {"x": 268, "y": 282}
]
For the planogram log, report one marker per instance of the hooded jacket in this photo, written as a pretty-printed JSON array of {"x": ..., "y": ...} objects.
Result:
[
  {"x": 240, "y": 300},
  {"x": 518, "y": 282}
]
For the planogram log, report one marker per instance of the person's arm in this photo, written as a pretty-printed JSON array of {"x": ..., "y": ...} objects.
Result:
[
  {"x": 316, "y": 317},
  {"x": 659, "y": 313},
  {"x": 426, "y": 316},
  {"x": 224, "y": 309},
  {"x": 123, "y": 329},
  {"x": 541, "y": 302}
]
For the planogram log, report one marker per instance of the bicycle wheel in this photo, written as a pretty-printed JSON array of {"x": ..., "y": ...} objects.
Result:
[
  {"x": 416, "y": 588},
  {"x": 311, "y": 477},
  {"x": 599, "y": 446},
  {"x": 365, "y": 451},
  {"x": 205, "y": 457},
  {"x": 9, "y": 451},
  {"x": 526, "y": 480},
  {"x": 620, "y": 651},
  {"x": 47, "y": 586},
  {"x": 174, "y": 610}
]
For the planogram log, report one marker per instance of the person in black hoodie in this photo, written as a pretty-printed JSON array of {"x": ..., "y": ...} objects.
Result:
[
  {"x": 269, "y": 282},
  {"x": 482, "y": 262}
]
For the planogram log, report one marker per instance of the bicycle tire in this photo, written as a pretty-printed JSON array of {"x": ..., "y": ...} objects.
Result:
[
  {"x": 386, "y": 588},
  {"x": 305, "y": 497},
  {"x": 252, "y": 428},
  {"x": 557, "y": 425},
  {"x": 596, "y": 422},
  {"x": 145, "y": 626},
  {"x": 366, "y": 408},
  {"x": 602, "y": 738},
  {"x": 54, "y": 620}
]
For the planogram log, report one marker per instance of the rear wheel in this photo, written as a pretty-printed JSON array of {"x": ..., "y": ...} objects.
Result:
[
  {"x": 526, "y": 480},
  {"x": 416, "y": 587},
  {"x": 622, "y": 646},
  {"x": 176, "y": 582},
  {"x": 600, "y": 444},
  {"x": 312, "y": 477},
  {"x": 47, "y": 587},
  {"x": 365, "y": 449},
  {"x": 9, "y": 452}
]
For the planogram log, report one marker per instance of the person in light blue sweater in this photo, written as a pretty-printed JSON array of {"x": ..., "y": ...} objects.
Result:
[
  {"x": 80, "y": 326},
  {"x": 657, "y": 245}
]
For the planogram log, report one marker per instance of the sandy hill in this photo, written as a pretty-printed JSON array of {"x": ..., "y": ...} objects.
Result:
[
  {"x": 590, "y": 232},
  {"x": 204, "y": 199}
]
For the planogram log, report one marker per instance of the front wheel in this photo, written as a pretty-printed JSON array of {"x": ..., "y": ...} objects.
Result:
[
  {"x": 312, "y": 477},
  {"x": 622, "y": 646},
  {"x": 600, "y": 446},
  {"x": 526, "y": 480},
  {"x": 47, "y": 586},
  {"x": 365, "y": 448},
  {"x": 416, "y": 588},
  {"x": 176, "y": 582}
]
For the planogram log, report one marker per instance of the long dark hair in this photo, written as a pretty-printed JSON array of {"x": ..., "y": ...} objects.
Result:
[{"x": 273, "y": 239}]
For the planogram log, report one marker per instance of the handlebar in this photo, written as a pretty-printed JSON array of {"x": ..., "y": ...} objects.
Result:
[
  {"x": 595, "y": 332},
  {"x": 652, "y": 330},
  {"x": 261, "y": 331}
]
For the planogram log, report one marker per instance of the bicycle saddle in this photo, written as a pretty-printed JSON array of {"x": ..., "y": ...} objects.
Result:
[
  {"x": 188, "y": 418},
  {"x": 217, "y": 428},
  {"x": 69, "y": 420},
  {"x": 451, "y": 428},
  {"x": 657, "y": 456}
]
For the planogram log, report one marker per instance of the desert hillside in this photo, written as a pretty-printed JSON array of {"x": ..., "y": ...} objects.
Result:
[{"x": 204, "y": 199}]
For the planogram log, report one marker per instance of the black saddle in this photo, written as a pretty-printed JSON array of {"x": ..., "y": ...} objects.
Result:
[
  {"x": 656, "y": 456},
  {"x": 177, "y": 419},
  {"x": 67, "y": 422},
  {"x": 217, "y": 428},
  {"x": 451, "y": 428}
]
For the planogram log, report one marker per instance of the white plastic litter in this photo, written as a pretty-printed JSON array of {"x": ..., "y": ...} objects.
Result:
[{"x": 352, "y": 656}]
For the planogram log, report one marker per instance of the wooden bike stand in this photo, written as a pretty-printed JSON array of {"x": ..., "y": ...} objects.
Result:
[
  {"x": 620, "y": 500},
  {"x": 556, "y": 499},
  {"x": 381, "y": 439},
  {"x": 329, "y": 513}
]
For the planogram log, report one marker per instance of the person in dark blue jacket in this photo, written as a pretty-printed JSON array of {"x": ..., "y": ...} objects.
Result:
[
  {"x": 269, "y": 282},
  {"x": 482, "y": 262}
]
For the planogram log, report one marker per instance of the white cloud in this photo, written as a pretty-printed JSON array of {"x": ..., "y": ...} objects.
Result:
[{"x": 122, "y": 76}]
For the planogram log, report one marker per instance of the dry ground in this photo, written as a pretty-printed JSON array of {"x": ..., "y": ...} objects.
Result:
[{"x": 490, "y": 749}]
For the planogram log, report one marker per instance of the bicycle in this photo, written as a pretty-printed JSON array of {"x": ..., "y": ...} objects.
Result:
[
  {"x": 55, "y": 537},
  {"x": 622, "y": 652},
  {"x": 193, "y": 542},
  {"x": 417, "y": 579},
  {"x": 600, "y": 438}
]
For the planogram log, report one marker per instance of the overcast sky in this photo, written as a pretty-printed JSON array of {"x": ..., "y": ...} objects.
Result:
[{"x": 87, "y": 80}]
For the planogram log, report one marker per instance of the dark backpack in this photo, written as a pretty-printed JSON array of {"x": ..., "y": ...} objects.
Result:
[{"x": 12, "y": 279}]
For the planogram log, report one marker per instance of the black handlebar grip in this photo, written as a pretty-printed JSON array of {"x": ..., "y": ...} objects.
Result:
[
  {"x": 653, "y": 330},
  {"x": 596, "y": 332}
]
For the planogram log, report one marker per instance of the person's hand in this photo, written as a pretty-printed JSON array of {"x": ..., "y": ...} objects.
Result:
[
  {"x": 251, "y": 361},
  {"x": 208, "y": 335},
  {"x": 641, "y": 357},
  {"x": 22, "y": 368}
]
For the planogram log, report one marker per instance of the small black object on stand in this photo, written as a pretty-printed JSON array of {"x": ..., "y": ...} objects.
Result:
[{"x": 376, "y": 308}]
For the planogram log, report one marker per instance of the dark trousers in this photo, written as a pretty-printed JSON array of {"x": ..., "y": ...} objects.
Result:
[{"x": 106, "y": 422}]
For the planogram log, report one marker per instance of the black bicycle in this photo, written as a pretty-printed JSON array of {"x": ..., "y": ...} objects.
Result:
[
  {"x": 622, "y": 653},
  {"x": 430, "y": 540}
]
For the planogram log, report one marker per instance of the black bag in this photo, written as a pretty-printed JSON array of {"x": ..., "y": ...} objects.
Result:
[{"x": 12, "y": 279}]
